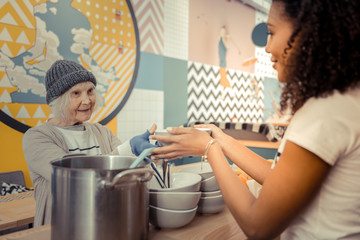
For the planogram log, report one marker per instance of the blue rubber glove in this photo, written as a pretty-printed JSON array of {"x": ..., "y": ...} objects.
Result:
[{"x": 141, "y": 142}]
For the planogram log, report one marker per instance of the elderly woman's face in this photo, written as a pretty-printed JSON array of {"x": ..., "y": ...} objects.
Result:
[{"x": 82, "y": 102}]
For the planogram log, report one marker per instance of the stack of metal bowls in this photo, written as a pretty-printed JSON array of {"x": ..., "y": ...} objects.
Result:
[
  {"x": 211, "y": 199},
  {"x": 174, "y": 206}
]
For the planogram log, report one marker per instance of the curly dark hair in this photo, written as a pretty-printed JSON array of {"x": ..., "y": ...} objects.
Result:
[{"x": 324, "y": 49}]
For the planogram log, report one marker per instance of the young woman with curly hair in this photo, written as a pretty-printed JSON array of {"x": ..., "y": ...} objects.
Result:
[{"x": 311, "y": 190}]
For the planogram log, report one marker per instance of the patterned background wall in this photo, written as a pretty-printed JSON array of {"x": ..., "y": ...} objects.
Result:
[
  {"x": 163, "y": 31},
  {"x": 163, "y": 26},
  {"x": 172, "y": 84},
  {"x": 150, "y": 20},
  {"x": 234, "y": 92},
  {"x": 208, "y": 100},
  {"x": 103, "y": 38},
  {"x": 110, "y": 51},
  {"x": 145, "y": 105}
]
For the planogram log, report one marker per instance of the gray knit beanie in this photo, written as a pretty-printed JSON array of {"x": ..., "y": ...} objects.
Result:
[{"x": 63, "y": 75}]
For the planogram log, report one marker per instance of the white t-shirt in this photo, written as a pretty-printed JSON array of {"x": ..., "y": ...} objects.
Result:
[{"x": 330, "y": 128}]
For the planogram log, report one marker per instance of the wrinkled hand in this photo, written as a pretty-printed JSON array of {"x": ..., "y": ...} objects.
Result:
[
  {"x": 141, "y": 142},
  {"x": 185, "y": 141}
]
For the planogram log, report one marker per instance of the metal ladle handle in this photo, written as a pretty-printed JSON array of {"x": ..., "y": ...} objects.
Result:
[{"x": 145, "y": 175}]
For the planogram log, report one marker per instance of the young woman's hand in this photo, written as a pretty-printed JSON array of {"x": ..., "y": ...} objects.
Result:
[{"x": 184, "y": 141}]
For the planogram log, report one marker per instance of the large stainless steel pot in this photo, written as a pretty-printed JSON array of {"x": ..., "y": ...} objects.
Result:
[{"x": 99, "y": 198}]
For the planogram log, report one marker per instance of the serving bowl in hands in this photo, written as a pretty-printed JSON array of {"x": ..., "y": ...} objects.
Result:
[
  {"x": 174, "y": 200},
  {"x": 162, "y": 132},
  {"x": 167, "y": 218},
  {"x": 179, "y": 182},
  {"x": 208, "y": 130}
]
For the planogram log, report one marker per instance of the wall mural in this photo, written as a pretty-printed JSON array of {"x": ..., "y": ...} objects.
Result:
[
  {"x": 220, "y": 94},
  {"x": 222, "y": 83},
  {"x": 100, "y": 35},
  {"x": 206, "y": 101},
  {"x": 150, "y": 20}
]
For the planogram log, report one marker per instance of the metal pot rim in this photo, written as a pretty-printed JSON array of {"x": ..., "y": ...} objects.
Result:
[{"x": 89, "y": 169}]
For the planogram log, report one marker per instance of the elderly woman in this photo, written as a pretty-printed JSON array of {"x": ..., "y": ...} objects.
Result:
[{"x": 70, "y": 92}]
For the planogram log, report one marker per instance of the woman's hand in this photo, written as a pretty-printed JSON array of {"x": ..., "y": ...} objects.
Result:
[{"x": 184, "y": 141}]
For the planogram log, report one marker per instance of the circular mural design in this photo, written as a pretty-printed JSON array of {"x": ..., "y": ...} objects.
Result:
[
  {"x": 259, "y": 35},
  {"x": 100, "y": 35}
]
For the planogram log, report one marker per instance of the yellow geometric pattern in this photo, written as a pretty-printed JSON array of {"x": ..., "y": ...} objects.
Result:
[
  {"x": 113, "y": 45},
  {"x": 17, "y": 26},
  {"x": 104, "y": 24},
  {"x": 17, "y": 35},
  {"x": 6, "y": 88},
  {"x": 26, "y": 113},
  {"x": 124, "y": 67},
  {"x": 30, "y": 114}
]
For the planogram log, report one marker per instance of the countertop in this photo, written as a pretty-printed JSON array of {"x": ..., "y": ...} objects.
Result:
[
  {"x": 208, "y": 226},
  {"x": 204, "y": 226},
  {"x": 17, "y": 210}
]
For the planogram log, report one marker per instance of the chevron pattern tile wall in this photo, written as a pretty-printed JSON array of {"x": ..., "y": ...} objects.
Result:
[
  {"x": 208, "y": 100},
  {"x": 150, "y": 20}
]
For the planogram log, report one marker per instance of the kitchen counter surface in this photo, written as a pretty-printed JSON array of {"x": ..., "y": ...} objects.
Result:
[
  {"x": 208, "y": 226},
  {"x": 17, "y": 210},
  {"x": 204, "y": 226}
]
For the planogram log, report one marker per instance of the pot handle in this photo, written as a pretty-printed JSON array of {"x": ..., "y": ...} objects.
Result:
[{"x": 143, "y": 175}]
